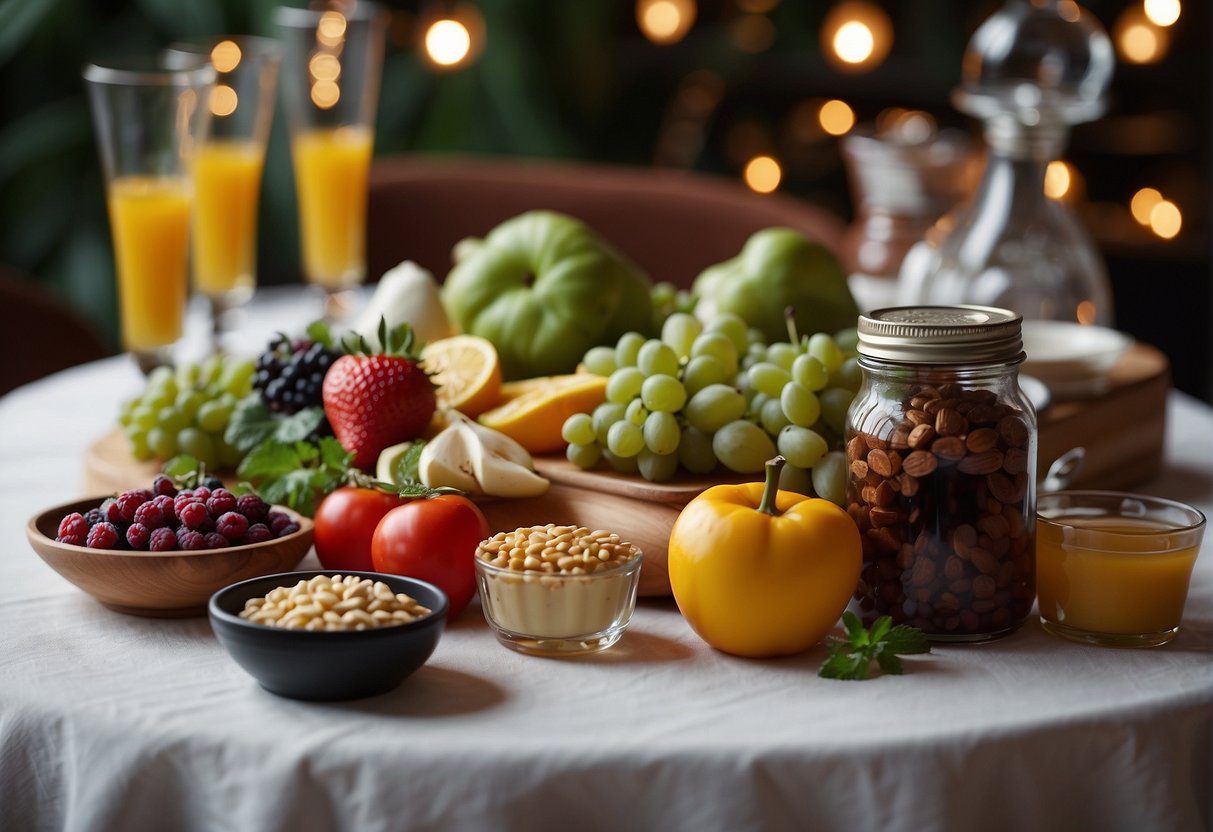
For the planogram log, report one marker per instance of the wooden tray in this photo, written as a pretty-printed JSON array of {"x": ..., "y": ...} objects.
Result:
[{"x": 1122, "y": 432}]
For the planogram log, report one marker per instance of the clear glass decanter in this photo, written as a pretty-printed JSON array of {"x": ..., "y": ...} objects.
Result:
[{"x": 1032, "y": 70}]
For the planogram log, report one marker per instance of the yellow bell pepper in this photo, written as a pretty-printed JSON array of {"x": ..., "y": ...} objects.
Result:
[{"x": 760, "y": 572}]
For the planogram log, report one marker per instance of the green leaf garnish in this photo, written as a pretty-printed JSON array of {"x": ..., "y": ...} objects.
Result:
[
  {"x": 319, "y": 332},
  {"x": 852, "y": 657}
]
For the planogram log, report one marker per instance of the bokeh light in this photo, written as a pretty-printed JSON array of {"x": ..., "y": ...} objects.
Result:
[
  {"x": 665, "y": 21},
  {"x": 325, "y": 94},
  {"x": 836, "y": 117},
  {"x": 1057, "y": 179},
  {"x": 225, "y": 56},
  {"x": 324, "y": 66},
  {"x": 1166, "y": 219},
  {"x": 223, "y": 100},
  {"x": 853, "y": 42},
  {"x": 752, "y": 33},
  {"x": 1162, "y": 12},
  {"x": 1086, "y": 312},
  {"x": 447, "y": 42},
  {"x": 856, "y": 35},
  {"x": 763, "y": 174},
  {"x": 1138, "y": 40},
  {"x": 330, "y": 31},
  {"x": 1143, "y": 203}
]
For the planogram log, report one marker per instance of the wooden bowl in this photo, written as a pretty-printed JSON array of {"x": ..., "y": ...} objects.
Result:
[{"x": 161, "y": 584}]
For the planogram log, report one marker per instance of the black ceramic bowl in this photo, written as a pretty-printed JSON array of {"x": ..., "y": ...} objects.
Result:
[{"x": 327, "y": 666}]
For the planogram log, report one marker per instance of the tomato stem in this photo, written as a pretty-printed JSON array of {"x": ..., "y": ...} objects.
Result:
[{"x": 770, "y": 488}]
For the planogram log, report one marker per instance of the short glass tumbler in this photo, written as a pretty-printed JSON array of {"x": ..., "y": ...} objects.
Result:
[
  {"x": 1113, "y": 569},
  {"x": 551, "y": 614}
]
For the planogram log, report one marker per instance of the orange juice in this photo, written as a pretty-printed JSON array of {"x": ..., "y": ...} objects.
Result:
[
  {"x": 150, "y": 221},
  {"x": 227, "y": 180},
  {"x": 1127, "y": 577},
  {"x": 331, "y": 169}
]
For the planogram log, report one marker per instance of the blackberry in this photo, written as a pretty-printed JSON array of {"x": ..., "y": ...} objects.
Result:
[{"x": 290, "y": 376}]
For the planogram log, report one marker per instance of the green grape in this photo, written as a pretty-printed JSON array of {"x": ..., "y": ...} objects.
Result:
[
  {"x": 663, "y": 293},
  {"x": 756, "y": 351},
  {"x": 229, "y": 456},
  {"x": 162, "y": 442},
  {"x": 680, "y": 331},
  {"x": 756, "y": 404},
  {"x": 624, "y": 385},
  {"x": 656, "y": 358},
  {"x": 211, "y": 367},
  {"x": 188, "y": 402},
  {"x": 661, "y": 433},
  {"x": 849, "y": 376},
  {"x": 801, "y": 446},
  {"x": 834, "y": 405},
  {"x": 823, "y": 348},
  {"x": 830, "y": 478},
  {"x": 187, "y": 376},
  {"x": 664, "y": 393},
  {"x": 144, "y": 416},
  {"x": 847, "y": 340},
  {"x": 628, "y": 348},
  {"x": 718, "y": 346},
  {"x": 625, "y": 439},
  {"x": 600, "y": 361},
  {"x": 584, "y": 455},
  {"x": 197, "y": 444},
  {"x": 213, "y": 416},
  {"x": 140, "y": 449},
  {"x": 701, "y": 371},
  {"x": 754, "y": 335},
  {"x": 605, "y": 415},
  {"x": 801, "y": 406},
  {"x": 684, "y": 301},
  {"x": 622, "y": 464},
  {"x": 126, "y": 410},
  {"x": 161, "y": 378},
  {"x": 578, "y": 429},
  {"x": 796, "y": 479},
  {"x": 743, "y": 447},
  {"x": 782, "y": 355},
  {"x": 772, "y": 417},
  {"x": 713, "y": 407},
  {"x": 158, "y": 398},
  {"x": 732, "y": 327},
  {"x": 695, "y": 451},
  {"x": 172, "y": 419},
  {"x": 237, "y": 377},
  {"x": 810, "y": 372},
  {"x": 769, "y": 378},
  {"x": 636, "y": 413},
  {"x": 742, "y": 382},
  {"x": 657, "y": 467}
]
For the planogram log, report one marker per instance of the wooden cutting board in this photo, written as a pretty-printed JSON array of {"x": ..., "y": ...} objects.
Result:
[{"x": 1122, "y": 432}]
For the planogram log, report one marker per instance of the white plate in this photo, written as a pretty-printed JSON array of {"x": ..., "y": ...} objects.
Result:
[
  {"x": 1072, "y": 359},
  {"x": 1037, "y": 391}
]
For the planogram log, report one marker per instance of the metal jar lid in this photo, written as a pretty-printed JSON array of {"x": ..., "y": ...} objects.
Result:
[{"x": 942, "y": 335}]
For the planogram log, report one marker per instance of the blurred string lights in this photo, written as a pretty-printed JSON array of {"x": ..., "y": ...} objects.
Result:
[
  {"x": 1142, "y": 33},
  {"x": 665, "y": 21},
  {"x": 225, "y": 57},
  {"x": 1160, "y": 215},
  {"x": 452, "y": 35}
]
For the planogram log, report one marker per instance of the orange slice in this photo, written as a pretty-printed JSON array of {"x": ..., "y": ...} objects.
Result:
[
  {"x": 535, "y": 418},
  {"x": 467, "y": 372},
  {"x": 513, "y": 389}
]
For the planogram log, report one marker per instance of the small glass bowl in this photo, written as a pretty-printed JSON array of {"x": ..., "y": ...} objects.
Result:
[
  {"x": 1113, "y": 569},
  {"x": 553, "y": 614}
]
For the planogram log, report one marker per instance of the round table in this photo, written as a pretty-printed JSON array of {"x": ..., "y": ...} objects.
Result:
[{"x": 114, "y": 722}]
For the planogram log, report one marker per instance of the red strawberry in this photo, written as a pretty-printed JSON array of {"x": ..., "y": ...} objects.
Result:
[{"x": 373, "y": 401}]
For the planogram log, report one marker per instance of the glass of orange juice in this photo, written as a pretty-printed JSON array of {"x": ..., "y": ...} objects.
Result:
[
  {"x": 228, "y": 166},
  {"x": 1112, "y": 568},
  {"x": 150, "y": 121},
  {"x": 330, "y": 80}
]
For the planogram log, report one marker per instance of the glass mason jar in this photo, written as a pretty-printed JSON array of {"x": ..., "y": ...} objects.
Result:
[{"x": 941, "y": 448}]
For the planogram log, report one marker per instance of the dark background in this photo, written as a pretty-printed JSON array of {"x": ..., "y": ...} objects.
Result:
[{"x": 579, "y": 80}]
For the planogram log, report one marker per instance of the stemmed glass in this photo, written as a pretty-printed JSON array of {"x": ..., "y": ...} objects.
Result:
[
  {"x": 228, "y": 167},
  {"x": 331, "y": 67},
  {"x": 150, "y": 121}
]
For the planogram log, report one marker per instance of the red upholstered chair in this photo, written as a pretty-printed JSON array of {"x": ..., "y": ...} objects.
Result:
[{"x": 672, "y": 223}]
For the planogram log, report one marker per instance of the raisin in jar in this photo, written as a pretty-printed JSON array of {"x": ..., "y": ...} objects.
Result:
[{"x": 941, "y": 449}]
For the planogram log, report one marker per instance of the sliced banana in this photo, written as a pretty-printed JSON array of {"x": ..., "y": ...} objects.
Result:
[
  {"x": 479, "y": 460},
  {"x": 447, "y": 461}
]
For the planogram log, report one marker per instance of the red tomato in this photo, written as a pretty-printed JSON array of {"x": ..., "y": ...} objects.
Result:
[
  {"x": 434, "y": 540},
  {"x": 345, "y": 523}
]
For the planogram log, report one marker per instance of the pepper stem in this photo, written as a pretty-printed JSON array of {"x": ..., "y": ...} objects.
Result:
[
  {"x": 789, "y": 318},
  {"x": 770, "y": 488}
]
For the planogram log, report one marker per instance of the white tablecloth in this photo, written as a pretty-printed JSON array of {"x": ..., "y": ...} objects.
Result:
[{"x": 114, "y": 722}]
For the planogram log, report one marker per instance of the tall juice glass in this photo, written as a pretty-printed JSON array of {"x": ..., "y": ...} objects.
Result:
[
  {"x": 150, "y": 121},
  {"x": 331, "y": 67},
  {"x": 227, "y": 168}
]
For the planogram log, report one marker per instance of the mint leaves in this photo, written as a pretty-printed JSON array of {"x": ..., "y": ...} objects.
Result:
[
  {"x": 296, "y": 474},
  {"x": 852, "y": 658},
  {"x": 252, "y": 423}
]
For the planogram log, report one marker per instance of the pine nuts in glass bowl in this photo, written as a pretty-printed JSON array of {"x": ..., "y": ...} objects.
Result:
[
  {"x": 307, "y": 660},
  {"x": 333, "y": 602},
  {"x": 558, "y": 589}
]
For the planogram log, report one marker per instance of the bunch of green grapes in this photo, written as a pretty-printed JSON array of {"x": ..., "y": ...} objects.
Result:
[
  {"x": 703, "y": 396},
  {"x": 186, "y": 410}
]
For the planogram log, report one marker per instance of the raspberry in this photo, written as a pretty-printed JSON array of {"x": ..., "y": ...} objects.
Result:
[
  {"x": 214, "y": 540},
  {"x": 128, "y": 501},
  {"x": 73, "y": 539},
  {"x": 168, "y": 510},
  {"x": 137, "y": 535},
  {"x": 289, "y": 528},
  {"x": 252, "y": 507},
  {"x": 102, "y": 536},
  {"x": 162, "y": 486},
  {"x": 232, "y": 526},
  {"x": 93, "y": 516},
  {"x": 276, "y": 520},
  {"x": 221, "y": 502},
  {"x": 110, "y": 510},
  {"x": 149, "y": 515},
  {"x": 183, "y": 499},
  {"x": 193, "y": 516},
  {"x": 202, "y": 493},
  {"x": 74, "y": 525},
  {"x": 191, "y": 540},
  {"x": 163, "y": 540},
  {"x": 213, "y": 483},
  {"x": 258, "y": 533}
]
